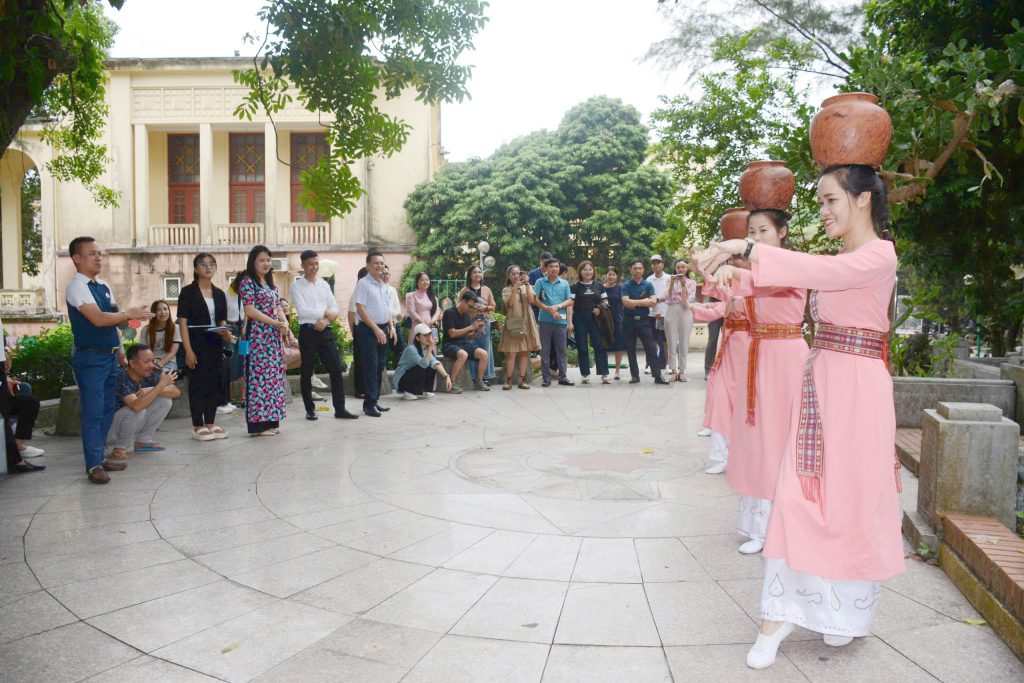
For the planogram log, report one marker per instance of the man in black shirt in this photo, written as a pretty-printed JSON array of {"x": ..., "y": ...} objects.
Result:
[{"x": 463, "y": 334}]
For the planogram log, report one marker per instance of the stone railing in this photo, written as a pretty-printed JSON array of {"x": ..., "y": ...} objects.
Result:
[
  {"x": 174, "y": 234},
  {"x": 239, "y": 233},
  {"x": 14, "y": 302},
  {"x": 307, "y": 233}
]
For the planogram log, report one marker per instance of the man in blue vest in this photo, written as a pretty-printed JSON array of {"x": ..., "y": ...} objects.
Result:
[{"x": 94, "y": 318}]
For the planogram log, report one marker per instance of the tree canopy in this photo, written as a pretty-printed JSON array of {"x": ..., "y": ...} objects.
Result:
[
  {"x": 581, "y": 191},
  {"x": 338, "y": 57}
]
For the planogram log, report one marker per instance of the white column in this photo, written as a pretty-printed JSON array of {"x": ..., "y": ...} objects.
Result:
[
  {"x": 47, "y": 226},
  {"x": 336, "y": 235},
  {"x": 206, "y": 235},
  {"x": 141, "y": 194},
  {"x": 10, "y": 215},
  {"x": 270, "y": 185}
]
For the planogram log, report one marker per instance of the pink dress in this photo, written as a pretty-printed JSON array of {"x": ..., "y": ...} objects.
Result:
[
  {"x": 725, "y": 382},
  {"x": 855, "y": 533},
  {"x": 755, "y": 450}
]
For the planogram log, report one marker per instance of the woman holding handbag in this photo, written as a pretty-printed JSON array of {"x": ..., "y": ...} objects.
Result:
[
  {"x": 520, "y": 336},
  {"x": 588, "y": 296}
]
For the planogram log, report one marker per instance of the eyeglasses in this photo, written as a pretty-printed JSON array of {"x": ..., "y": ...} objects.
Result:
[{"x": 207, "y": 264}]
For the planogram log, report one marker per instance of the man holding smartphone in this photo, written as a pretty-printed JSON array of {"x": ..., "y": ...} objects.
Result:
[
  {"x": 463, "y": 337},
  {"x": 144, "y": 397}
]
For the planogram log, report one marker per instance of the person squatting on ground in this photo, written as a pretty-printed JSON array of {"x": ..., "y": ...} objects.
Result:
[
  {"x": 144, "y": 396},
  {"x": 418, "y": 367}
]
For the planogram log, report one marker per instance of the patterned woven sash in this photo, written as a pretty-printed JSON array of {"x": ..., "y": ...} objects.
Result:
[
  {"x": 759, "y": 332},
  {"x": 810, "y": 441},
  {"x": 731, "y": 325}
]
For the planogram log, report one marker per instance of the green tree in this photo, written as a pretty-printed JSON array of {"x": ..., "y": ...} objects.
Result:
[
  {"x": 52, "y": 56},
  {"x": 339, "y": 56},
  {"x": 582, "y": 191},
  {"x": 31, "y": 236}
]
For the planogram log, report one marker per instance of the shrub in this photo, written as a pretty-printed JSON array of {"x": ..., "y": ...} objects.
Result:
[
  {"x": 341, "y": 341},
  {"x": 45, "y": 361}
]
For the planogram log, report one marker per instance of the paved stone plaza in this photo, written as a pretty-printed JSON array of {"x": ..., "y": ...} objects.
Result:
[{"x": 567, "y": 534}]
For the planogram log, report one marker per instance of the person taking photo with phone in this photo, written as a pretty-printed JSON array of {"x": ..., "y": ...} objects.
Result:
[{"x": 144, "y": 396}]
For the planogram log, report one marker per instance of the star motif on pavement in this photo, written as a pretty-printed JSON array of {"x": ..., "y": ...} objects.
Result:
[{"x": 623, "y": 463}]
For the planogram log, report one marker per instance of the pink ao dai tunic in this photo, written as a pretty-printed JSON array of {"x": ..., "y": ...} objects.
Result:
[
  {"x": 855, "y": 533},
  {"x": 724, "y": 384}
]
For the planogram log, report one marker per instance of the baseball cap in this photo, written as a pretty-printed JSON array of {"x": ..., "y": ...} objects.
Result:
[
  {"x": 421, "y": 329},
  {"x": 657, "y": 257}
]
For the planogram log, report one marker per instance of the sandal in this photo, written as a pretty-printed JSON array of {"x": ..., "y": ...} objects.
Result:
[
  {"x": 203, "y": 434},
  {"x": 217, "y": 432},
  {"x": 118, "y": 454},
  {"x": 523, "y": 384},
  {"x": 149, "y": 447}
]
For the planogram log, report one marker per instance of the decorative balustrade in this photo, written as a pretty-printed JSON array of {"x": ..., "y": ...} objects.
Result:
[
  {"x": 240, "y": 233},
  {"x": 14, "y": 302},
  {"x": 174, "y": 234},
  {"x": 307, "y": 233}
]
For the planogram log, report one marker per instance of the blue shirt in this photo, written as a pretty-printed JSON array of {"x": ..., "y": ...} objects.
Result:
[
  {"x": 534, "y": 275},
  {"x": 637, "y": 290},
  {"x": 552, "y": 294},
  {"x": 126, "y": 385},
  {"x": 411, "y": 357}
]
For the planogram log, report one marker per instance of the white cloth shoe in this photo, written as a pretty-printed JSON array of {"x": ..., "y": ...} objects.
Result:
[
  {"x": 704, "y": 432},
  {"x": 31, "y": 452},
  {"x": 837, "y": 641},
  {"x": 762, "y": 654},
  {"x": 717, "y": 468},
  {"x": 409, "y": 397},
  {"x": 429, "y": 394},
  {"x": 316, "y": 397},
  {"x": 317, "y": 383},
  {"x": 753, "y": 546},
  {"x": 226, "y": 409}
]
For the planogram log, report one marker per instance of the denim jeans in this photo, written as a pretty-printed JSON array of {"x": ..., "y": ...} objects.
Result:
[{"x": 96, "y": 376}]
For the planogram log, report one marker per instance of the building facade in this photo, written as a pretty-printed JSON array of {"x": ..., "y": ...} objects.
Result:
[{"x": 194, "y": 177}]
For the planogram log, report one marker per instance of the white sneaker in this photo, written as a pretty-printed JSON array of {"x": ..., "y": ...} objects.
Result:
[
  {"x": 31, "y": 452},
  {"x": 704, "y": 432},
  {"x": 316, "y": 396},
  {"x": 762, "y": 654},
  {"x": 586, "y": 379},
  {"x": 429, "y": 394},
  {"x": 717, "y": 468},
  {"x": 753, "y": 546},
  {"x": 837, "y": 641},
  {"x": 409, "y": 397},
  {"x": 226, "y": 409},
  {"x": 317, "y": 383}
]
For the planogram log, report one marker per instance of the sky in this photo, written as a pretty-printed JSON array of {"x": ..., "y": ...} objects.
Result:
[{"x": 533, "y": 61}]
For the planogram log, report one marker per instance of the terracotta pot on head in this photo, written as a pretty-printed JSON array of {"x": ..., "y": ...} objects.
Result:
[
  {"x": 767, "y": 185},
  {"x": 734, "y": 224},
  {"x": 850, "y": 129}
]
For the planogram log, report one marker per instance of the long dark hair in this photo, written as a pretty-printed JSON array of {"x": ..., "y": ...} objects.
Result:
[
  {"x": 779, "y": 219},
  {"x": 469, "y": 272},
  {"x": 250, "y": 270},
  {"x": 430, "y": 291},
  {"x": 858, "y": 178},
  {"x": 168, "y": 327}
]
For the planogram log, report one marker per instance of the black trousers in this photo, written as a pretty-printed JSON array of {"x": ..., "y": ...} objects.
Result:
[
  {"x": 357, "y": 366},
  {"x": 642, "y": 329},
  {"x": 24, "y": 407},
  {"x": 11, "y": 446},
  {"x": 416, "y": 380},
  {"x": 374, "y": 357},
  {"x": 313, "y": 345},
  {"x": 714, "y": 328},
  {"x": 207, "y": 381}
]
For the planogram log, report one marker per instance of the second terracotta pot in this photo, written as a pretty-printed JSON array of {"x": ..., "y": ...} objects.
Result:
[
  {"x": 734, "y": 224},
  {"x": 767, "y": 185},
  {"x": 850, "y": 129}
]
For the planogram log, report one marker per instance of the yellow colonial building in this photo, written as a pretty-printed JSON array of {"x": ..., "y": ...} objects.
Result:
[{"x": 193, "y": 177}]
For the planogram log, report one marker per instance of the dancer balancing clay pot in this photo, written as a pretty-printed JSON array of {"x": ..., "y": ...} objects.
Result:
[
  {"x": 767, "y": 185},
  {"x": 850, "y": 129},
  {"x": 734, "y": 224}
]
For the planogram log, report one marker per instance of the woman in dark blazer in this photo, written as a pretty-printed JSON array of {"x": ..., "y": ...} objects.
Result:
[{"x": 201, "y": 304}]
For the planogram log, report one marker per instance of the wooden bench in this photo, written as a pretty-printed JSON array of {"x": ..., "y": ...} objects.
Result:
[{"x": 908, "y": 447}]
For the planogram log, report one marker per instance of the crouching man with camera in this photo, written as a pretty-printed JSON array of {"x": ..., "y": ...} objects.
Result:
[{"x": 144, "y": 397}]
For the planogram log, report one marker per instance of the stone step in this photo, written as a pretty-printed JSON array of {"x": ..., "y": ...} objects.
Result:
[{"x": 908, "y": 448}]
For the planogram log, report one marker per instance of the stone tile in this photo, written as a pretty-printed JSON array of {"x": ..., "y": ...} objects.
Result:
[
  {"x": 388, "y": 541},
  {"x": 439, "y": 548},
  {"x": 12, "y": 550},
  {"x": 493, "y": 554},
  {"x": 362, "y": 589},
  {"x": 250, "y": 644},
  {"x": 606, "y": 614},
  {"x": 607, "y": 560},
  {"x": 354, "y": 529},
  {"x": 864, "y": 660},
  {"x": 897, "y": 614},
  {"x": 47, "y": 523},
  {"x": 182, "y": 525},
  {"x": 317, "y": 663},
  {"x": 727, "y": 663},
  {"x": 524, "y": 610},
  {"x": 57, "y": 571},
  {"x": 32, "y": 613},
  {"x": 457, "y": 659},
  {"x": 156, "y": 623},
  {"x": 291, "y": 576},
  {"x": 148, "y": 668},
  {"x": 205, "y": 542},
  {"x": 400, "y": 646},
  {"x": 435, "y": 602},
  {"x": 959, "y": 652},
  {"x": 40, "y": 546},
  {"x": 747, "y": 594},
  {"x": 243, "y": 558},
  {"x": 21, "y": 505},
  {"x": 548, "y": 557},
  {"x": 16, "y": 580},
  {"x": 698, "y": 613},
  {"x": 573, "y": 663},
  {"x": 91, "y": 499},
  {"x": 98, "y": 596},
  {"x": 720, "y": 557},
  {"x": 666, "y": 559},
  {"x": 68, "y": 653},
  {"x": 669, "y": 518},
  {"x": 930, "y": 586},
  {"x": 308, "y": 521}
]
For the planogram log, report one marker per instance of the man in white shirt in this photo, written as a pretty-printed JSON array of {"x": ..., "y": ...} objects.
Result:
[
  {"x": 398, "y": 345},
  {"x": 317, "y": 309},
  {"x": 660, "y": 281},
  {"x": 374, "y": 327}
]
